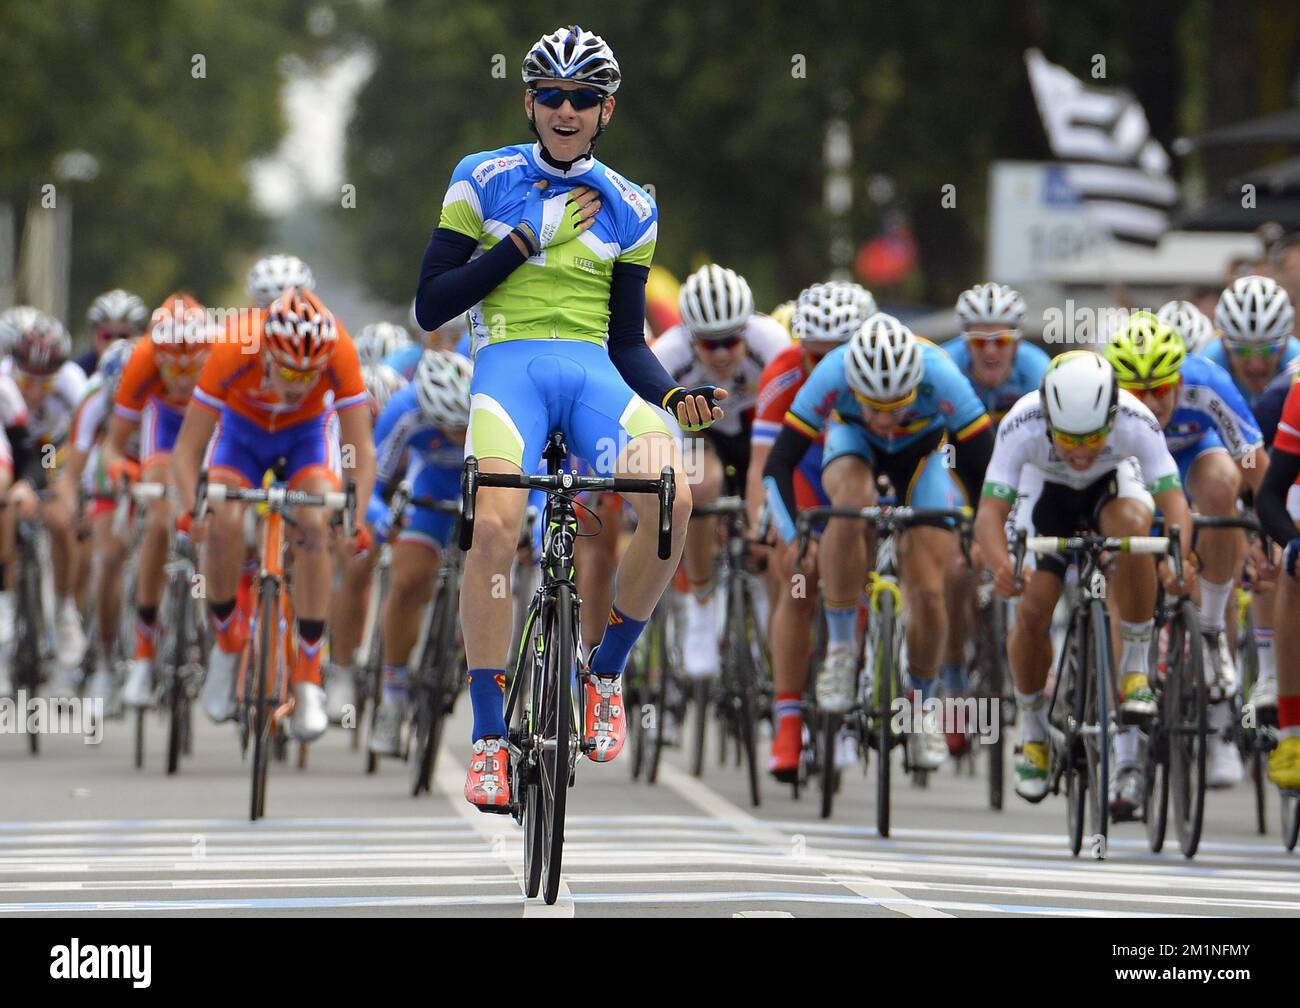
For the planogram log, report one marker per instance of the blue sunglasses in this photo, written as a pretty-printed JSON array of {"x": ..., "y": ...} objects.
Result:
[{"x": 580, "y": 98}]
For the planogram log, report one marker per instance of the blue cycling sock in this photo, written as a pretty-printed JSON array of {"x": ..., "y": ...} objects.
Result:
[
  {"x": 926, "y": 687},
  {"x": 394, "y": 682},
  {"x": 955, "y": 682},
  {"x": 487, "y": 688},
  {"x": 842, "y": 621},
  {"x": 621, "y": 634}
]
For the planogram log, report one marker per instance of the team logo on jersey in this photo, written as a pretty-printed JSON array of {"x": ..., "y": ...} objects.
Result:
[
  {"x": 494, "y": 166},
  {"x": 946, "y": 407},
  {"x": 587, "y": 266},
  {"x": 631, "y": 197}
]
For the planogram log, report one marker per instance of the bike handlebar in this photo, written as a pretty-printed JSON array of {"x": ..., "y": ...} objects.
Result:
[
  {"x": 887, "y": 515},
  {"x": 279, "y": 498},
  {"x": 567, "y": 484},
  {"x": 1166, "y": 545}
]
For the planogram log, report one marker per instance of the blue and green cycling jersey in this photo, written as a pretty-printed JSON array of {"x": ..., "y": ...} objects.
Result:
[
  {"x": 562, "y": 292},
  {"x": 944, "y": 399},
  {"x": 1218, "y": 354},
  {"x": 1027, "y": 370}
]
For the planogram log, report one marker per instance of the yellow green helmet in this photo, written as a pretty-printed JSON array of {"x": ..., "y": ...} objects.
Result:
[
  {"x": 783, "y": 314},
  {"x": 1146, "y": 351}
]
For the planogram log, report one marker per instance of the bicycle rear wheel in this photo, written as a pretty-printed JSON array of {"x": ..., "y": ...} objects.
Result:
[
  {"x": 701, "y": 690},
  {"x": 657, "y": 677},
  {"x": 1188, "y": 727},
  {"x": 1071, "y": 684},
  {"x": 998, "y": 676},
  {"x": 1290, "y": 819},
  {"x": 27, "y": 629},
  {"x": 438, "y": 669},
  {"x": 828, "y": 729},
  {"x": 744, "y": 715}
]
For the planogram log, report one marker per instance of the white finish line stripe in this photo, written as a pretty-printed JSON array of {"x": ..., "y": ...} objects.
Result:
[{"x": 715, "y": 805}]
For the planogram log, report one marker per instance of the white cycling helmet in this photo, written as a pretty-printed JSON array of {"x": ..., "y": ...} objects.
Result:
[
  {"x": 831, "y": 312},
  {"x": 377, "y": 340},
  {"x": 442, "y": 387},
  {"x": 1079, "y": 393},
  {"x": 991, "y": 303},
  {"x": 1254, "y": 311},
  {"x": 1196, "y": 330},
  {"x": 272, "y": 275},
  {"x": 382, "y": 383},
  {"x": 117, "y": 305},
  {"x": 715, "y": 300},
  {"x": 884, "y": 361},
  {"x": 574, "y": 54}
]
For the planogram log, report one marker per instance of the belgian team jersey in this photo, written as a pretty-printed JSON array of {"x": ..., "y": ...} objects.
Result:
[
  {"x": 1027, "y": 371},
  {"x": 563, "y": 291},
  {"x": 944, "y": 398}
]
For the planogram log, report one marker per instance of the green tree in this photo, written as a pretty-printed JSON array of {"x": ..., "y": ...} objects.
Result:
[{"x": 172, "y": 98}]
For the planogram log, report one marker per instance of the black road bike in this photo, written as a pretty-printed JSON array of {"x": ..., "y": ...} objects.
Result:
[{"x": 544, "y": 701}]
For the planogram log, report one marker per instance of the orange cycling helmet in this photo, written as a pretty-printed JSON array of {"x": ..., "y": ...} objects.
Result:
[
  {"x": 180, "y": 329},
  {"x": 300, "y": 331}
]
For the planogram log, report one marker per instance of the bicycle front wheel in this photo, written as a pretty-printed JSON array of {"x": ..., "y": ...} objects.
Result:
[
  {"x": 178, "y": 657},
  {"x": 1188, "y": 726},
  {"x": 267, "y": 653},
  {"x": 884, "y": 685},
  {"x": 554, "y": 694},
  {"x": 1098, "y": 718}
]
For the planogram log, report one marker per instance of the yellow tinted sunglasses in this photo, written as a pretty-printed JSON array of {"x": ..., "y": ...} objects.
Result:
[
  {"x": 298, "y": 377},
  {"x": 878, "y": 406},
  {"x": 1094, "y": 440}
]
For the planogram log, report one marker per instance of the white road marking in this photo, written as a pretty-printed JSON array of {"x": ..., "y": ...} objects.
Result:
[{"x": 715, "y": 805}]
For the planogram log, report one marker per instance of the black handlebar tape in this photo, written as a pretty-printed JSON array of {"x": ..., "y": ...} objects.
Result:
[
  {"x": 468, "y": 491},
  {"x": 667, "y": 494}
]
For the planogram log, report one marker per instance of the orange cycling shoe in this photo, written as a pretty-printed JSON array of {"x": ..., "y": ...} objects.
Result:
[
  {"x": 487, "y": 785},
  {"x": 605, "y": 720},
  {"x": 787, "y": 748}
]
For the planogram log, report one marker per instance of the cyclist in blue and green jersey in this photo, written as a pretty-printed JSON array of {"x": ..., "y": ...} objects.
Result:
[
  {"x": 549, "y": 250},
  {"x": 889, "y": 402}
]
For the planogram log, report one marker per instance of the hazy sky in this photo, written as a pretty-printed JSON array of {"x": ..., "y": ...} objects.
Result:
[{"x": 310, "y": 159}]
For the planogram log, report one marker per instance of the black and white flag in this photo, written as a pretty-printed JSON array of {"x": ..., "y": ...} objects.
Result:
[{"x": 1111, "y": 161}]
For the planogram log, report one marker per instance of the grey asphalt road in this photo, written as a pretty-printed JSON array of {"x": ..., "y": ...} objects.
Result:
[{"x": 84, "y": 833}]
